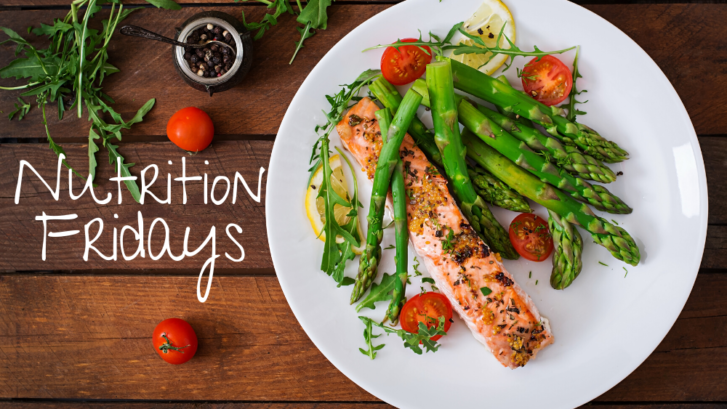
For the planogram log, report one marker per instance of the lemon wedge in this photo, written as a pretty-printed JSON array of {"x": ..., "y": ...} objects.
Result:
[
  {"x": 486, "y": 24},
  {"x": 314, "y": 205}
]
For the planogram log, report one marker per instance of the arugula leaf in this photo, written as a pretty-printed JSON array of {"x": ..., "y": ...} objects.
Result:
[
  {"x": 368, "y": 337},
  {"x": 413, "y": 341},
  {"x": 70, "y": 71},
  {"x": 439, "y": 46},
  {"x": 21, "y": 110},
  {"x": 280, "y": 6},
  {"x": 571, "y": 106},
  {"x": 379, "y": 292},
  {"x": 306, "y": 32},
  {"x": 334, "y": 254},
  {"x": 114, "y": 158},
  {"x": 165, "y": 4}
]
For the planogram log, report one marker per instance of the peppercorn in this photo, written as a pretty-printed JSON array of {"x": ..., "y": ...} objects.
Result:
[
  {"x": 187, "y": 56},
  {"x": 199, "y": 52},
  {"x": 218, "y": 68},
  {"x": 211, "y": 63},
  {"x": 214, "y": 47},
  {"x": 216, "y": 60},
  {"x": 193, "y": 59},
  {"x": 226, "y": 59},
  {"x": 200, "y": 73},
  {"x": 210, "y": 26},
  {"x": 203, "y": 37},
  {"x": 225, "y": 50},
  {"x": 228, "y": 37},
  {"x": 217, "y": 30}
]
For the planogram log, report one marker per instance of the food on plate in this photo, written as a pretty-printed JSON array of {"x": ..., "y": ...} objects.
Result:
[
  {"x": 486, "y": 23},
  {"x": 175, "y": 340},
  {"x": 386, "y": 154},
  {"x": 547, "y": 80},
  {"x": 531, "y": 237},
  {"x": 404, "y": 64},
  {"x": 398, "y": 199},
  {"x": 191, "y": 129},
  {"x": 491, "y": 90},
  {"x": 314, "y": 205},
  {"x": 486, "y": 225},
  {"x": 446, "y": 134},
  {"x": 568, "y": 249},
  {"x": 494, "y": 135},
  {"x": 568, "y": 157},
  {"x": 461, "y": 264},
  {"x": 390, "y": 98},
  {"x": 494, "y": 191},
  {"x": 573, "y": 112},
  {"x": 613, "y": 238},
  {"x": 426, "y": 308}
]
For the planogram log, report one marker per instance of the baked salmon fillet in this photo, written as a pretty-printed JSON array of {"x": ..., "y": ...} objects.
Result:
[{"x": 505, "y": 320}]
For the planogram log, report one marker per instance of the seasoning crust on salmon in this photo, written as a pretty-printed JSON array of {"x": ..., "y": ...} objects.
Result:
[{"x": 505, "y": 320}]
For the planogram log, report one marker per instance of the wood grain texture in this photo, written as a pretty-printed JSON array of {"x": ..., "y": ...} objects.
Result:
[
  {"x": 692, "y": 59},
  {"x": 67, "y": 336},
  {"x": 40, "y": 404},
  {"x": 20, "y": 233},
  {"x": 254, "y": 107}
]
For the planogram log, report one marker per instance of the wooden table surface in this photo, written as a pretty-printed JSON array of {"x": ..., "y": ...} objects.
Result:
[{"x": 74, "y": 331}]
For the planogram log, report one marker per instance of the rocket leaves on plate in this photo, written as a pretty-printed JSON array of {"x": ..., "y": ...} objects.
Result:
[
  {"x": 70, "y": 72},
  {"x": 415, "y": 342},
  {"x": 379, "y": 292}
]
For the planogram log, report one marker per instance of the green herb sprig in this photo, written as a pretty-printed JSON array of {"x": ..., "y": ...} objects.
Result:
[
  {"x": 70, "y": 73},
  {"x": 415, "y": 342},
  {"x": 439, "y": 46},
  {"x": 336, "y": 254},
  {"x": 280, "y": 7},
  {"x": 572, "y": 110}
]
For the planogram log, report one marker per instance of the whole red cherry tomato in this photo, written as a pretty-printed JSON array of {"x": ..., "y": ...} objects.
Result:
[
  {"x": 175, "y": 340},
  {"x": 426, "y": 308},
  {"x": 191, "y": 129}
]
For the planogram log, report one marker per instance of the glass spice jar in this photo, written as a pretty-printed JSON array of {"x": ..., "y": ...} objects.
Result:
[{"x": 239, "y": 59}]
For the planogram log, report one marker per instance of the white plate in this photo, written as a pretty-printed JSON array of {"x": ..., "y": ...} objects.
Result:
[{"x": 605, "y": 324}]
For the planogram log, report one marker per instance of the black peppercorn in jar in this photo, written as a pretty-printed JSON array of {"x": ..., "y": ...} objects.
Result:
[{"x": 214, "y": 67}]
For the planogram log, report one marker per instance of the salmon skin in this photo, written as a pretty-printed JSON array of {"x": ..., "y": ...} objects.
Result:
[{"x": 497, "y": 311}]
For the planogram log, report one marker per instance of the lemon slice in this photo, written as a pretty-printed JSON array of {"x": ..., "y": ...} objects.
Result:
[
  {"x": 314, "y": 205},
  {"x": 486, "y": 23}
]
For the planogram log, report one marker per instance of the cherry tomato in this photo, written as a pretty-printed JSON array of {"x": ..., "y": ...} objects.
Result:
[
  {"x": 531, "y": 237},
  {"x": 175, "y": 340},
  {"x": 548, "y": 80},
  {"x": 403, "y": 66},
  {"x": 191, "y": 129},
  {"x": 426, "y": 308}
]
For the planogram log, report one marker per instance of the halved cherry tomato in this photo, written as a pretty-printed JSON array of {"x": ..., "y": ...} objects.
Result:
[
  {"x": 175, "y": 340},
  {"x": 531, "y": 237},
  {"x": 403, "y": 66},
  {"x": 426, "y": 308},
  {"x": 548, "y": 80}
]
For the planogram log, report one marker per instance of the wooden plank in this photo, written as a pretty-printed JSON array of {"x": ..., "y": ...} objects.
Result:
[
  {"x": 254, "y": 107},
  {"x": 692, "y": 60},
  {"x": 20, "y": 233},
  {"x": 37, "y": 404},
  {"x": 68, "y": 336}
]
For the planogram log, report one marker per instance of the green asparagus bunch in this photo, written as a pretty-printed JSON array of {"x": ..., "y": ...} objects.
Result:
[
  {"x": 494, "y": 191},
  {"x": 446, "y": 135},
  {"x": 490, "y": 89},
  {"x": 389, "y": 96},
  {"x": 398, "y": 193},
  {"x": 614, "y": 238},
  {"x": 568, "y": 249},
  {"x": 388, "y": 158},
  {"x": 567, "y": 157},
  {"x": 517, "y": 151}
]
